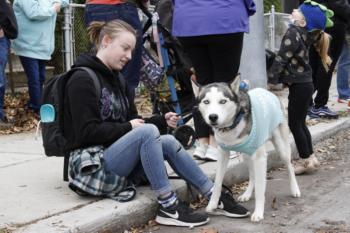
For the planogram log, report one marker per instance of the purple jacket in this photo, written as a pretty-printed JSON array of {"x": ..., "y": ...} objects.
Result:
[{"x": 208, "y": 17}]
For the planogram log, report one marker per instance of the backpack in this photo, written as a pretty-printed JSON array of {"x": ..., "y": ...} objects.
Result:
[{"x": 52, "y": 132}]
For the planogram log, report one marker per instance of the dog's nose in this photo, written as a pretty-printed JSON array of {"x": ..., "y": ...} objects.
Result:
[{"x": 213, "y": 117}]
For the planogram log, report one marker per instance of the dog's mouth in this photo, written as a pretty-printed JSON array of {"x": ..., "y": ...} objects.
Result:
[{"x": 214, "y": 124}]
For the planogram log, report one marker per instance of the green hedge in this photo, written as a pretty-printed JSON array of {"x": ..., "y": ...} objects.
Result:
[{"x": 276, "y": 3}]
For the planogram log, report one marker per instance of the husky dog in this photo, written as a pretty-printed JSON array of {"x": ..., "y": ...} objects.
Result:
[{"x": 244, "y": 122}]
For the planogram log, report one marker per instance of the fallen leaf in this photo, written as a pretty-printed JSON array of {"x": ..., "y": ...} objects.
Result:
[{"x": 209, "y": 230}]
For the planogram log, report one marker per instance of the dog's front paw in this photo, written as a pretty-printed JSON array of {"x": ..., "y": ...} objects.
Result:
[
  {"x": 257, "y": 216},
  {"x": 296, "y": 192},
  {"x": 244, "y": 197},
  {"x": 211, "y": 207}
]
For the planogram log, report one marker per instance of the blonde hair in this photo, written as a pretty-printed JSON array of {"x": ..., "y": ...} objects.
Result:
[
  {"x": 322, "y": 48},
  {"x": 98, "y": 29}
]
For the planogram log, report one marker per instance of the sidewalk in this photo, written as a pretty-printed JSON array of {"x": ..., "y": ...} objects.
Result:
[{"x": 34, "y": 198}]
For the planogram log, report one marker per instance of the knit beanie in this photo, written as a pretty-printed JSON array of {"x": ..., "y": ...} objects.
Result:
[{"x": 317, "y": 16}]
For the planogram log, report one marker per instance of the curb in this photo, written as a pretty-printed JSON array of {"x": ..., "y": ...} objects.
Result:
[{"x": 105, "y": 215}]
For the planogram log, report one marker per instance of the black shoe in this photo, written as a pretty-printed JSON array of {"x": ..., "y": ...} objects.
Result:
[
  {"x": 229, "y": 207},
  {"x": 181, "y": 215}
]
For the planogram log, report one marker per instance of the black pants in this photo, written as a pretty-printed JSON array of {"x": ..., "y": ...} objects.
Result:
[
  {"x": 300, "y": 95},
  {"x": 215, "y": 58},
  {"x": 321, "y": 78}
]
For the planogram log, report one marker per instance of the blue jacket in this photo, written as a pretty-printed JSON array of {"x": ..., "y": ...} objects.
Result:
[
  {"x": 36, "y": 28},
  {"x": 210, "y": 17}
]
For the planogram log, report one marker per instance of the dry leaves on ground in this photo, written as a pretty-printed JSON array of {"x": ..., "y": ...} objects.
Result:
[
  {"x": 149, "y": 227},
  {"x": 144, "y": 105},
  {"x": 16, "y": 114},
  {"x": 209, "y": 230},
  {"x": 24, "y": 121}
]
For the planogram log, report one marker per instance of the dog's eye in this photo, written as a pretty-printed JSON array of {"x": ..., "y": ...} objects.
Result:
[
  {"x": 206, "y": 101},
  {"x": 223, "y": 101}
]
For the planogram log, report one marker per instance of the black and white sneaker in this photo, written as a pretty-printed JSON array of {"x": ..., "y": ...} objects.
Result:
[
  {"x": 229, "y": 207},
  {"x": 181, "y": 215}
]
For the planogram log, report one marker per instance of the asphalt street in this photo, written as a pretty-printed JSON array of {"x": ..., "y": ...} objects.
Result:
[{"x": 324, "y": 206}]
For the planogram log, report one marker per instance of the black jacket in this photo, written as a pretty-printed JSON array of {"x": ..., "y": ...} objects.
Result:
[
  {"x": 90, "y": 121},
  {"x": 8, "y": 21},
  {"x": 291, "y": 65}
]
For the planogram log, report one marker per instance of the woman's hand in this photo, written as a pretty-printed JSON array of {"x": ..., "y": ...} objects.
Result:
[
  {"x": 136, "y": 123},
  {"x": 171, "y": 119}
]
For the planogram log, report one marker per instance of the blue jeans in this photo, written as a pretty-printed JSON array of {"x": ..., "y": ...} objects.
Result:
[
  {"x": 343, "y": 73},
  {"x": 128, "y": 13},
  {"x": 4, "y": 48},
  {"x": 145, "y": 143},
  {"x": 35, "y": 71}
]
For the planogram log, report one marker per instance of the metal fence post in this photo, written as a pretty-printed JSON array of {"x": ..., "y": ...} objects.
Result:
[
  {"x": 67, "y": 29},
  {"x": 272, "y": 29}
]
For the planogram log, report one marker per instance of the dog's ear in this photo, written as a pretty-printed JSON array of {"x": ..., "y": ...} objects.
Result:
[
  {"x": 234, "y": 85},
  {"x": 195, "y": 86}
]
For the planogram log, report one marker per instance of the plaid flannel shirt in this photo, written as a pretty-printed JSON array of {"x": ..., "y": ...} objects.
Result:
[{"x": 86, "y": 172}]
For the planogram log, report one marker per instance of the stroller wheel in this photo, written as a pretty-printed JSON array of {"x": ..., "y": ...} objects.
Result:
[{"x": 185, "y": 135}]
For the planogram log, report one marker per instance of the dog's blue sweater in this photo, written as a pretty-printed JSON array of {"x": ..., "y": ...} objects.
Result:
[{"x": 266, "y": 115}]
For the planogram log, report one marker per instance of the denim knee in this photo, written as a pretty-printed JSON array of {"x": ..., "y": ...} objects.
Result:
[
  {"x": 148, "y": 131},
  {"x": 170, "y": 143}
]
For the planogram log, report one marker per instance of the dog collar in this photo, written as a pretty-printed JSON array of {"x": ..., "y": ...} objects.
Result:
[{"x": 237, "y": 119}]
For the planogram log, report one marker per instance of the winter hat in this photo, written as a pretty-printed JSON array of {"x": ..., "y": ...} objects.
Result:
[{"x": 317, "y": 16}]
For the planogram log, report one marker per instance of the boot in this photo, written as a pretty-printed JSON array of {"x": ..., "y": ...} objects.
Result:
[{"x": 306, "y": 165}]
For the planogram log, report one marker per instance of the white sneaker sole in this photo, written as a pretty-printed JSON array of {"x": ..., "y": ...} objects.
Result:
[
  {"x": 228, "y": 214},
  {"x": 175, "y": 222}
]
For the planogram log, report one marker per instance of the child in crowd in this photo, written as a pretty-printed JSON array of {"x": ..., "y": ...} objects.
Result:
[
  {"x": 291, "y": 67},
  {"x": 343, "y": 73}
]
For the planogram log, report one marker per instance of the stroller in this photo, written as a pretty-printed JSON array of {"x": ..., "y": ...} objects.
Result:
[{"x": 176, "y": 67}]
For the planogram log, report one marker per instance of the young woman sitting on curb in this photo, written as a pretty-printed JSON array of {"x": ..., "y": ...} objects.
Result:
[{"x": 108, "y": 132}]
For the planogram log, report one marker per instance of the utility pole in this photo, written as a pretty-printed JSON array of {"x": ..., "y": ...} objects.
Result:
[{"x": 253, "y": 64}]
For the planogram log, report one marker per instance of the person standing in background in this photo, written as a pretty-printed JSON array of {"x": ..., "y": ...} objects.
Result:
[
  {"x": 8, "y": 30},
  {"x": 126, "y": 10},
  {"x": 212, "y": 35},
  {"x": 36, "y": 41},
  {"x": 322, "y": 78},
  {"x": 343, "y": 72}
]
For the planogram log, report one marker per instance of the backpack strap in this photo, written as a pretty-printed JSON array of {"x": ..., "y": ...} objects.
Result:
[
  {"x": 65, "y": 167},
  {"x": 97, "y": 85},
  {"x": 94, "y": 78}
]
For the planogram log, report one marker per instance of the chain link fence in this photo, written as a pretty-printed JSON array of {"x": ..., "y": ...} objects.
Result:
[
  {"x": 275, "y": 25},
  {"x": 71, "y": 38}
]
